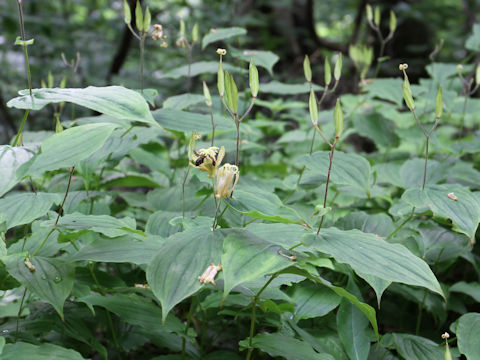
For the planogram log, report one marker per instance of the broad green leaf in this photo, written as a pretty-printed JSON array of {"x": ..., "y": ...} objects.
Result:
[
  {"x": 247, "y": 257},
  {"x": 411, "y": 172},
  {"x": 23, "y": 350},
  {"x": 380, "y": 224},
  {"x": 387, "y": 89},
  {"x": 470, "y": 289},
  {"x": 136, "y": 310},
  {"x": 182, "y": 101},
  {"x": 371, "y": 255},
  {"x": 377, "y": 128},
  {"x": 262, "y": 205},
  {"x": 413, "y": 347},
  {"x": 275, "y": 87},
  {"x": 11, "y": 158},
  {"x": 265, "y": 59},
  {"x": 473, "y": 41},
  {"x": 284, "y": 235},
  {"x": 184, "y": 121},
  {"x": 115, "y": 101},
  {"x": 121, "y": 249},
  {"x": 173, "y": 273},
  {"x": 104, "y": 224},
  {"x": 67, "y": 148},
  {"x": 51, "y": 281},
  {"x": 352, "y": 325},
  {"x": 221, "y": 34},
  {"x": 463, "y": 212},
  {"x": 348, "y": 169},
  {"x": 284, "y": 346},
  {"x": 23, "y": 208},
  {"x": 201, "y": 67},
  {"x": 312, "y": 300},
  {"x": 468, "y": 328}
]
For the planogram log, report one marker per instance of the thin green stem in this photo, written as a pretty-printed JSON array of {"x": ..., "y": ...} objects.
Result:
[
  {"x": 44, "y": 241},
  {"x": 237, "y": 124},
  {"x": 254, "y": 309},
  {"x": 19, "y": 313},
  {"x": 420, "y": 312},
  {"x": 189, "y": 319},
  {"x": 213, "y": 124},
  {"x": 313, "y": 142},
  {"x": 248, "y": 110},
  {"x": 142, "y": 60},
  {"x": 216, "y": 213},
  {"x": 60, "y": 210},
  {"x": 17, "y": 138},
  {"x": 427, "y": 141},
  {"x": 22, "y": 31},
  {"x": 401, "y": 225},
  {"x": 183, "y": 191},
  {"x": 332, "y": 152}
]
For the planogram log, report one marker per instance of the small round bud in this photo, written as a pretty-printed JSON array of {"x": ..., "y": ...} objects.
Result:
[
  {"x": 459, "y": 67},
  {"x": 445, "y": 335},
  {"x": 221, "y": 51},
  {"x": 402, "y": 67}
]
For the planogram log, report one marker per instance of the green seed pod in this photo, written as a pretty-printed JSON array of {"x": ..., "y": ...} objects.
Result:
[
  {"x": 407, "y": 94},
  {"x": 253, "y": 79},
  {"x": 50, "y": 79},
  {"x": 220, "y": 79},
  {"x": 477, "y": 75},
  {"x": 368, "y": 8},
  {"x": 139, "y": 16},
  {"x": 377, "y": 17},
  {"x": 439, "y": 103},
  {"x": 182, "y": 27},
  {"x": 195, "y": 33},
  {"x": 313, "y": 107},
  {"x": 393, "y": 22},
  {"x": 206, "y": 94},
  {"x": 337, "y": 72},
  {"x": 127, "y": 13},
  {"x": 231, "y": 93},
  {"x": 63, "y": 82},
  {"x": 307, "y": 70},
  {"x": 448, "y": 354},
  {"x": 328, "y": 72},
  {"x": 338, "y": 118},
  {"x": 58, "y": 126},
  {"x": 147, "y": 21}
]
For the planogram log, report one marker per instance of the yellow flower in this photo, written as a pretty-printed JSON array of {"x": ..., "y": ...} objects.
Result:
[
  {"x": 227, "y": 178},
  {"x": 209, "y": 274},
  {"x": 208, "y": 160},
  {"x": 221, "y": 51}
]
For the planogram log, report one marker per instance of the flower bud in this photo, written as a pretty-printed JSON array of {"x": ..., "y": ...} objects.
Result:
[
  {"x": 338, "y": 118},
  {"x": 221, "y": 51},
  {"x": 328, "y": 72},
  {"x": 253, "y": 79},
  {"x": 402, "y": 67},
  {"x": 206, "y": 94},
  {"x": 393, "y": 22},
  {"x": 459, "y": 67},
  {"x": 127, "y": 14},
  {"x": 227, "y": 178},
  {"x": 195, "y": 33},
  {"x": 313, "y": 107},
  {"x": 376, "y": 17},
  {"x": 139, "y": 16},
  {"x": 29, "y": 265},
  {"x": 307, "y": 70},
  {"x": 337, "y": 72},
  {"x": 477, "y": 75},
  {"x": 220, "y": 79},
  {"x": 147, "y": 20},
  {"x": 209, "y": 274},
  {"x": 368, "y": 8}
]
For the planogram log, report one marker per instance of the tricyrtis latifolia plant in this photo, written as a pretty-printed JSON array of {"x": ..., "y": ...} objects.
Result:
[
  {"x": 407, "y": 95},
  {"x": 373, "y": 19},
  {"x": 228, "y": 91},
  {"x": 142, "y": 22}
]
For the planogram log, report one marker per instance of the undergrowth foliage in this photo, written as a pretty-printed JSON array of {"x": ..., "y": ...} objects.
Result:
[{"x": 210, "y": 228}]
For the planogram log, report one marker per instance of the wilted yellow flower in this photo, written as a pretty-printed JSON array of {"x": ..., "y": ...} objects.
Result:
[
  {"x": 209, "y": 274},
  {"x": 227, "y": 178},
  {"x": 208, "y": 160},
  {"x": 402, "y": 67},
  {"x": 221, "y": 51},
  {"x": 29, "y": 265}
]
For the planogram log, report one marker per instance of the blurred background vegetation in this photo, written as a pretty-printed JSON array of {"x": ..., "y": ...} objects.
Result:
[{"x": 94, "y": 32}]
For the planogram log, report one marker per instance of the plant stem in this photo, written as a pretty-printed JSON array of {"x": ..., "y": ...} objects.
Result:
[
  {"x": 313, "y": 142},
  {"x": 60, "y": 211},
  {"x": 189, "y": 319},
  {"x": 43, "y": 242},
  {"x": 237, "y": 124},
  {"x": 19, "y": 313},
  {"x": 254, "y": 309},
  {"x": 216, "y": 213},
  {"x": 17, "y": 138},
  {"x": 427, "y": 141},
  {"x": 213, "y": 124},
  {"x": 189, "y": 69},
  {"x": 183, "y": 191},
  {"x": 22, "y": 31},
  {"x": 142, "y": 59},
  {"x": 420, "y": 312},
  {"x": 328, "y": 182}
]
